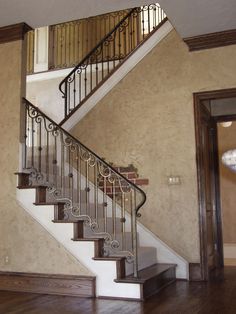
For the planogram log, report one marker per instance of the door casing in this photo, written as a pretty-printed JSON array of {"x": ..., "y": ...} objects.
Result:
[{"x": 198, "y": 98}]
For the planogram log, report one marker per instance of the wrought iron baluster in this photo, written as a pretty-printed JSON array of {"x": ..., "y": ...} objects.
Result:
[
  {"x": 105, "y": 203},
  {"x": 85, "y": 82},
  {"x": 80, "y": 87},
  {"x": 130, "y": 32},
  {"x": 87, "y": 187},
  {"x": 32, "y": 142},
  {"x": 125, "y": 41},
  {"x": 119, "y": 45},
  {"x": 40, "y": 146},
  {"x": 70, "y": 174},
  {"x": 74, "y": 90},
  {"x": 61, "y": 46},
  {"x": 96, "y": 189},
  {"x": 123, "y": 244},
  {"x": 47, "y": 155},
  {"x": 91, "y": 76},
  {"x": 143, "y": 22},
  {"x": 69, "y": 95},
  {"x": 78, "y": 173},
  {"x": 62, "y": 164},
  {"x": 96, "y": 62},
  {"x": 114, "y": 208},
  {"x": 25, "y": 164},
  {"x": 134, "y": 231},
  {"x": 148, "y": 21},
  {"x": 118, "y": 194},
  {"x": 102, "y": 60},
  {"x": 108, "y": 56},
  {"x": 154, "y": 18},
  {"x": 114, "y": 51}
]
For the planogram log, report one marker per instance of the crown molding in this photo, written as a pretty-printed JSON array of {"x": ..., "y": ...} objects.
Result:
[
  {"x": 211, "y": 40},
  {"x": 13, "y": 32}
]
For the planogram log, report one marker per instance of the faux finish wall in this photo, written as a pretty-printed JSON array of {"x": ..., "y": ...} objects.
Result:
[
  {"x": 227, "y": 141},
  {"x": 148, "y": 120},
  {"x": 24, "y": 245}
]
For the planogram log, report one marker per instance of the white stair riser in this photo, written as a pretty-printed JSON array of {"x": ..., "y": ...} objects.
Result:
[{"x": 83, "y": 251}]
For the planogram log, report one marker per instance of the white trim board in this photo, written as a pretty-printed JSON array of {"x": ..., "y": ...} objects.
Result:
[
  {"x": 229, "y": 250},
  {"x": 114, "y": 79}
]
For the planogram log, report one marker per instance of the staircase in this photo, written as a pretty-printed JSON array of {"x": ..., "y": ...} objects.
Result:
[
  {"x": 85, "y": 203},
  {"x": 109, "y": 55}
]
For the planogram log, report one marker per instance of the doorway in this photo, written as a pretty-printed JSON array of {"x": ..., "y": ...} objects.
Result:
[{"x": 210, "y": 109}]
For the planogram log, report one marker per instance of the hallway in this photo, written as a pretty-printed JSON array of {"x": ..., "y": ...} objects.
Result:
[{"x": 218, "y": 297}]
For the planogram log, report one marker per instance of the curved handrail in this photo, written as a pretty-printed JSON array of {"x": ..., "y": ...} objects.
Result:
[
  {"x": 144, "y": 197},
  {"x": 94, "y": 49},
  {"x": 97, "y": 66}
]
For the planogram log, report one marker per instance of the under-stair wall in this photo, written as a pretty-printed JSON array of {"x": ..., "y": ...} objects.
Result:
[
  {"x": 24, "y": 245},
  {"x": 150, "y": 115}
]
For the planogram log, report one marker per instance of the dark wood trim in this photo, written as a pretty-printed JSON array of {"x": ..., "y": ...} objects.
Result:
[
  {"x": 80, "y": 286},
  {"x": 195, "y": 273},
  {"x": 215, "y": 94},
  {"x": 198, "y": 97},
  {"x": 13, "y": 32},
  {"x": 202, "y": 230},
  {"x": 231, "y": 117},
  {"x": 212, "y": 40}
]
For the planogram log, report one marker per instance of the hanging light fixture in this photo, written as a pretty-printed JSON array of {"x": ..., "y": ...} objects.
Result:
[
  {"x": 229, "y": 159},
  {"x": 226, "y": 124}
]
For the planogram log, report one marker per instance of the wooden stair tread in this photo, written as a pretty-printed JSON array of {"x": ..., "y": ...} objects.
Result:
[
  {"x": 31, "y": 186},
  {"x": 87, "y": 239},
  {"x": 66, "y": 221},
  {"x": 109, "y": 258},
  {"x": 147, "y": 273},
  {"x": 47, "y": 203}
]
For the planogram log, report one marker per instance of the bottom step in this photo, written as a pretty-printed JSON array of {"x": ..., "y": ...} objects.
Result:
[{"x": 152, "y": 279}]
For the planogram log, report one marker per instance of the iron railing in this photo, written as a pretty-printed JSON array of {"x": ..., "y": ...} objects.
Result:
[
  {"x": 30, "y": 52},
  {"x": 108, "y": 54},
  {"x": 91, "y": 189},
  {"x": 70, "y": 42}
]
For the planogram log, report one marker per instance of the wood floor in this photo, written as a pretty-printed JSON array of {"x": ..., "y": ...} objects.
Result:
[{"x": 218, "y": 297}]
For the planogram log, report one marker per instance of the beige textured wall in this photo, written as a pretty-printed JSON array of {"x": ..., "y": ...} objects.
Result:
[
  {"x": 227, "y": 141},
  {"x": 148, "y": 120},
  {"x": 29, "y": 247}
]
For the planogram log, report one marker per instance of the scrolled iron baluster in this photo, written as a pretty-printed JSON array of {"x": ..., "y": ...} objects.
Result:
[
  {"x": 132, "y": 25},
  {"x": 117, "y": 192}
]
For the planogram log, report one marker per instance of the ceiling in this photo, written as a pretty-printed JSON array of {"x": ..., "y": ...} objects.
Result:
[
  {"x": 189, "y": 17},
  {"x": 197, "y": 17},
  {"x": 38, "y": 13}
]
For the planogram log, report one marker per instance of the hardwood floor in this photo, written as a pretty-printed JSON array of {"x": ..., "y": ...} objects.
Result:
[{"x": 218, "y": 297}]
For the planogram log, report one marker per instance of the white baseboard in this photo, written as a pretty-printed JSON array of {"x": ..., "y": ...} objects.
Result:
[{"x": 230, "y": 250}]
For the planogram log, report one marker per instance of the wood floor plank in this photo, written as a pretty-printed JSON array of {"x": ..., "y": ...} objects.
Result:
[{"x": 215, "y": 297}]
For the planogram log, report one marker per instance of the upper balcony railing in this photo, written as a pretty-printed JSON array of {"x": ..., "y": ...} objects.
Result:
[
  {"x": 70, "y": 42},
  {"x": 108, "y": 54}
]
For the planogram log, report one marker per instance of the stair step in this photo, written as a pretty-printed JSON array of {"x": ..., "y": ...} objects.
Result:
[
  {"x": 147, "y": 256},
  {"x": 23, "y": 178},
  {"x": 48, "y": 203},
  {"x": 98, "y": 244},
  {"x": 21, "y": 187},
  {"x": 66, "y": 221},
  {"x": 153, "y": 278}
]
